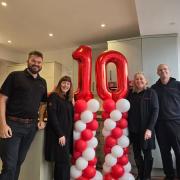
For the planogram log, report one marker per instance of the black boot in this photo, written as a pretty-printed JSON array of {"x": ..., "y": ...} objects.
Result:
[
  {"x": 139, "y": 164},
  {"x": 147, "y": 169}
]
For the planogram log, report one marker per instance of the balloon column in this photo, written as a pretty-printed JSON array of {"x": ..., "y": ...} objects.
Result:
[
  {"x": 85, "y": 126},
  {"x": 115, "y": 130}
]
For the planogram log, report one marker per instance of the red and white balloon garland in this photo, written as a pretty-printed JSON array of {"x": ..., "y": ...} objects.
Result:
[
  {"x": 85, "y": 126},
  {"x": 117, "y": 165}
]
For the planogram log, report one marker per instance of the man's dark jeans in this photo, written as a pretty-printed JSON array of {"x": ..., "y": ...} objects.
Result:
[{"x": 13, "y": 150}]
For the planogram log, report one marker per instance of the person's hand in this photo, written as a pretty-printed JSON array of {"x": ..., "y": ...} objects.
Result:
[
  {"x": 5, "y": 131},
  {"x": 147, "y": 134},
  {"x": 41, "y": 125},
  {"x": 62, "y": 141}
]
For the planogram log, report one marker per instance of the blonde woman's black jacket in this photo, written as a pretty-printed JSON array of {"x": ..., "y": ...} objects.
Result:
[{"x": 149, "y": 108}]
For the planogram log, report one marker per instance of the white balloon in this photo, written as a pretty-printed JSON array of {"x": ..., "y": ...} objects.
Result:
[
  {"x": 74, "y": 172},
  {"x": 123, "y": 105},
  {"x": 93, "y": 105},
  {"x": 123, "y": 141},
  {"x": 94, "y": 133},
  {"x": 76, "y": 135},
  {"x": 115, "y": 115},
  {"x": 117, "y": 151},
  {"x": 81, "y": 163},
  {"x": 110, "y": 160},
  {"x": 106, "y": 168},
  {"x": 109, "y": 124},
  {"x": 93, "y": 142},
  {"x": 79, "y": 126},
  {"x": 127, "y": 176},
  {"x": 126, "y": 132},
  {"x": 87, "y": 116},
  {"x": 127, "y": 167},
  {"x": 88, "y": 154},
  {"x": 105, "y": 133},
  {"x": 98, "y": 176}
]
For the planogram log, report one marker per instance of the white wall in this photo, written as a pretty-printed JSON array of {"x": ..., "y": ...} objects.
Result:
[
  {"x": 12, "y": 55},
  {"x": 159, "y": 50}
]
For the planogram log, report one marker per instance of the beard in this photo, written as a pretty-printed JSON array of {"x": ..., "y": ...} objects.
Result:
[{"x": 34, "y": 69}]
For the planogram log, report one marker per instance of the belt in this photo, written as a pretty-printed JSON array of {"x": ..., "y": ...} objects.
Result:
[{"x": 21, "y": 120}]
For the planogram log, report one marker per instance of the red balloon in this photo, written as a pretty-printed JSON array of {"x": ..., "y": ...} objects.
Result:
[
  {"x": 93, "y": 125},
  {"x": 92, "y": 162},
  {"x": 117, "y": 171},
  {"x": 116, "y": 133},
  {"x": 80, "y": 145},
  {"x": 83, "y": 55},
  {"x": 108, "y": 177},
  {"x": 73, "y": 161},
  {"x": 125, "y": 115},
  {"x": 126, "y": 150},
  {"x": 94, "y": 115},
  {"x": 77, "y": 116},
  {"x": 82, "y": 178},
  {"x": 80, "y": 106},
  {"x": 86, "y": 134},
  {"x": 109, "y": 105},
  {"x": 76, "y": 154},
  {"x": 101, "y": 77},
  {"x": 105, "y": 115},
  {"x": 122, "y": 123},
  {"x": 89, "y": 172},
  {"x": 110, "y": 141},
  {"x": 107, "y": 149},
  {"x": 123, "y": 160}
]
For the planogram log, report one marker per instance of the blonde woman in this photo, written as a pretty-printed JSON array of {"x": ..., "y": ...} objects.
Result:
[{"x": 141, "y": 119}]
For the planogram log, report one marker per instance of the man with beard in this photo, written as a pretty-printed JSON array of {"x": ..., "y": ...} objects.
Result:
[
  {"x": 168, "y": 123},
  {"x": 22, "y": 95}
]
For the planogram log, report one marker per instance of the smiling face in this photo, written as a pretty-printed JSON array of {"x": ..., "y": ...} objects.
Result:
[
  {"x": 34, "y": 64},
  {"x": 65, "y": 86},
  {"x": 139, "y": 82},
  {"x": 163, "y": 71}
]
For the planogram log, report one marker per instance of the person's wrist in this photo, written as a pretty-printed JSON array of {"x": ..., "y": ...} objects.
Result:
[{"x": 2, "y": 123}]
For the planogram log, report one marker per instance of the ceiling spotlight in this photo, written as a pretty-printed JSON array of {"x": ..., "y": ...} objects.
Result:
[
  {"x": 51, "y": 35},
  {"x": 9, "y": 41},
  {"x": 172, "y": 23},
  {"x": 103, "y": 25},
  {"x": 3, "y": 3}
]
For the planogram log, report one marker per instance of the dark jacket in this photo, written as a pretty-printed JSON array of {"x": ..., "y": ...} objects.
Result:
[
  {"x": 60, "y": 123},
  {"x": 169, "y": 100},
  {"x": 149, "y": 108}
]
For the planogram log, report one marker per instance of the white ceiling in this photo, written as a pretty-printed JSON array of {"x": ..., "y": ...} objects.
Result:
[
  {"x": 27, "y": 22},
  {"x": 158, "y": 16}
]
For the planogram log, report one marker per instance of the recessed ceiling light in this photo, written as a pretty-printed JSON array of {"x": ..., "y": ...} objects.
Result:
[
  {"x": 172, "y": 23},
  {"x": 51, "y": 34},
  {"x": 103, "y": 25},
  {"x": 3, "y": 3},
  {"x": 9, "y": 41}
]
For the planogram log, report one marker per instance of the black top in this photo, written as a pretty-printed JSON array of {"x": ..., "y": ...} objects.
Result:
[
  {"x": 24, "y": 94},
  {"x": 169, "y": 100},
  {"x": 149, "y": 108},
  {"x": 135, "y": 112},
  {"x": 60, "y": 123}
]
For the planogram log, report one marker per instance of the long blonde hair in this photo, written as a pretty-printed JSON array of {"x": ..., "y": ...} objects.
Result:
[
  {"x": 135, "y": 89},
  {"x": 59, "y": 91}
]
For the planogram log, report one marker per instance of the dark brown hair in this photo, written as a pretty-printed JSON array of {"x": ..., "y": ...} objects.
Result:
[
  {"x": 35, "y": 53},
  {"x": 58, "y": 90}
]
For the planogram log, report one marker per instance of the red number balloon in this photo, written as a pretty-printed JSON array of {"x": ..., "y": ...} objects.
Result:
[
  {"x": 83, "y": 55},
  {"x": 101, "y": 78}
]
